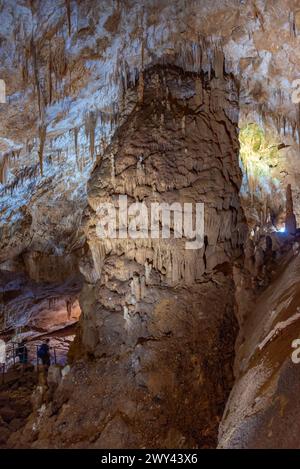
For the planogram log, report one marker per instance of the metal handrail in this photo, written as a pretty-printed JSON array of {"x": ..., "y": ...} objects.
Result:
[{"x": 11, "y": 354}]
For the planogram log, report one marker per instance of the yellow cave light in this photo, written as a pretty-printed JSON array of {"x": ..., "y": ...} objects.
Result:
[{"x": 259, "y": 154}]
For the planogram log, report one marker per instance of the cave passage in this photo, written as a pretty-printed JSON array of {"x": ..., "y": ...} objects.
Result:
[
  {"x": 32, "y": 312},
  {"x": 149, "y": 213}
]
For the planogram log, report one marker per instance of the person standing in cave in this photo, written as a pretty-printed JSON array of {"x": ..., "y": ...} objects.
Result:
[
  {"x": 22, "y": 352},
  {"x": 44, "y": 353}
]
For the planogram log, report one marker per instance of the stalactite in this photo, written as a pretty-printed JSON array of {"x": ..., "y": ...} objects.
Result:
[
  {"x": 93, "y": 122},
  {"x": 103, "y": 144},
  {"x": 23, "y": 174},
  {"x": 50, "y": 74},
  {"x": 59, "y": 60},
  {"x": 3, "y": 167},
  {"x": 141, "y": 83},
  {"x": 125, "y": 76},
  {"x": 29, "y": 146},
  {"x": 33, "y": 52},
  {"x": 148, "y": 268},
  {"x": 68, "y": 7},
  {"x": 81, "y": 158},
  {"x": 141, "y": 87},
  {"x": 16, "y": 153},
  {"x": 113, "y": 172},
  {"x": 292, "y": 24},
  {"x": 42, "y": 137},
  {"x": 218, "y": 62},
  {"x": 76, "y": 131},
  {"x": 258, "y": 16},
  {"x": 90, "y": 126},
  {"x": 25, "y": 71}
]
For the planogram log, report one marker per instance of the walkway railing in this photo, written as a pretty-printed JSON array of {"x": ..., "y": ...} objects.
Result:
[{"x": 14, "y": 351}]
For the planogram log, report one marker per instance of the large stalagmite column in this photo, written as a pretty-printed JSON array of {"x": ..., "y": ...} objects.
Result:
[
  {"x": 170, "y": 326},
  {"x": 158, "y": 324}
]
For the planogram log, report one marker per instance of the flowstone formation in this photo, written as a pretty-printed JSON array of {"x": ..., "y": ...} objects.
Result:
[{"x": 153, "y": 359}]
